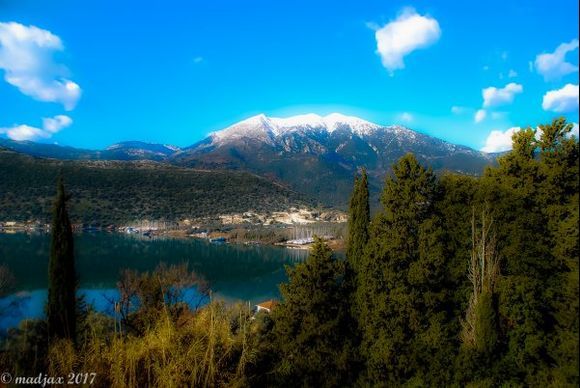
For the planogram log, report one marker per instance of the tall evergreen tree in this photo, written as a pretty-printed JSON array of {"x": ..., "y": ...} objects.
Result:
[
  {"x": 358, "y": 235},
  {"x": 512, "y": 190},
  {"x": 402, "y": 318},
  {"x": 558, "y": 197},
  {"x": 531, "y": 190},
  {"x": 61, "y": 308},
  {"x": 359, "y": 217},
  {"x": 310, "y": 332}
]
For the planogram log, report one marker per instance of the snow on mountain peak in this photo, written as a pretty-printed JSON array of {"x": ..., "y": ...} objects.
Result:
[
  {"x": 329, "y": 123},
  {"x": 360, "y": 126},
  {"x": 267, "y": 128},
  {"x": 257, "y": 127}
]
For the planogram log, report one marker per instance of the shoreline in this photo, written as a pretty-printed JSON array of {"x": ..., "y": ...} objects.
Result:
[{"x": 336, "y": 244}]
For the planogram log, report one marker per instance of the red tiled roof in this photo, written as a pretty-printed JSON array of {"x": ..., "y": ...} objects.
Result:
[{"x": 269, "y": 304}]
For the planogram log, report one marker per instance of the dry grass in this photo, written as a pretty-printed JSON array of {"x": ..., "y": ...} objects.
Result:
[{"x": 210, "y": 348}]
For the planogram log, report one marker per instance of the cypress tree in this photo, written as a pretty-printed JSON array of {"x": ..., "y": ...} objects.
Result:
[
  {"x": 358, "y": 221},
  {"x": 62, "y": 301}
]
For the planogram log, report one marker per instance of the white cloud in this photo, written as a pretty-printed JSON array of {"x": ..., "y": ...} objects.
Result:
[
  {"x": 512, "y": 73},
  {"x": 26, "y": 56},
  {"x": 457, "y": 110},
  {"x": 574, "y": 131},
  {"x": 499, "y": 141},
  {"x": 561, "y": 100},
  {"x": 23, "y": 132},
  {"x": 409, "y": 32},
  {"x": 50, "y": 126},
  {"x": 480, "y": 115},
  {"x": 406, "y": 117},
  {"x": 493, "y": 96},
  {"x": 56, "y": 123},
  {"x": 553, "y": 66},
  {"x": 197, "y": 60}
]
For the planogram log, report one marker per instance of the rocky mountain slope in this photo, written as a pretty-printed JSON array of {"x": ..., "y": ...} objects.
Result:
[{"x": 320, "y": 155}]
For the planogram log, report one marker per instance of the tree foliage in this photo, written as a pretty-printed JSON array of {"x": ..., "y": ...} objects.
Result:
[
  {"x": 61, "y": 307},
  {"x": 309, "y": 331},
  {"x": 359, "y": 217}
]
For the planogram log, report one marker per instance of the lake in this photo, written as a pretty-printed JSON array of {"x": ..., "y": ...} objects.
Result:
[{"x": 234, "y": 271}]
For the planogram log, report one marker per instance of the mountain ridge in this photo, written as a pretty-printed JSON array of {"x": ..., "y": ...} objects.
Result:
[
  {"x": 313, "y": 154},
  {"x": 334, "y": 119},
  {"x": 319, "y": 155}
]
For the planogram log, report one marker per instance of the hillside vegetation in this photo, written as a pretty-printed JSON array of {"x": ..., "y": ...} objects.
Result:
[{"x": 112, "y": 192}]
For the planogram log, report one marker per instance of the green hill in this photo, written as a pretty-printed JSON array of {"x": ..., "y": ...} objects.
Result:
[{"x": 113, "y": 192}]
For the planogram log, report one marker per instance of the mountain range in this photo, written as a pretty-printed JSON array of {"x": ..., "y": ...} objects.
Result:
[
  {"x": 130, "y": 150},
  {"x": 312, "y": 154}
]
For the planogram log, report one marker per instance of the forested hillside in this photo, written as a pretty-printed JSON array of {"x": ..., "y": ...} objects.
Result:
[{"x": 108, "y": 192}]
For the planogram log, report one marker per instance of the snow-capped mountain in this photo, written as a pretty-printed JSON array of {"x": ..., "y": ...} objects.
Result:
[
  {"x": 276, "y": 131},
  {"x": 268, "y": 129},
  {"x": 320, "y": 154}
]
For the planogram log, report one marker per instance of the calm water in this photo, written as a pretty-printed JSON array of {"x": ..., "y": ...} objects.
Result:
[{"x": 234, "y": 272}]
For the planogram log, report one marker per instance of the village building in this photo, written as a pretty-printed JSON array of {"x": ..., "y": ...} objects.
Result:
[{"x": 266, "y": 306}]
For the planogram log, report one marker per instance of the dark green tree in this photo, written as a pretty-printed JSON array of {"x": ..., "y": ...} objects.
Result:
[
  {"x": 558, "y": 198},
  {"x": 61, "y": 308},
  {"x": 531, "y": 192},
  {"x": 512, "y": 190},
  {"x": 401, "y": 288},
  {"x": 358, "y": 235},
  {"x": 310, "y": 333},
  {"x": 359, "y": 217}
]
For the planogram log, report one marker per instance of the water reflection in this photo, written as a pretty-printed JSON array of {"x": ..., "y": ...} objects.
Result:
[{"x": 234, "y": 272}]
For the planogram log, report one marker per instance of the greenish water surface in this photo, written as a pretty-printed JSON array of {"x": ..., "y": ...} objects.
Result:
[{"x": 234, "y": 271}]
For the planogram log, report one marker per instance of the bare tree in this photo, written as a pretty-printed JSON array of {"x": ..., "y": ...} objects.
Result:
[
  {"x": 483, "y": 273},
  {"x": 143, "y": 295}
]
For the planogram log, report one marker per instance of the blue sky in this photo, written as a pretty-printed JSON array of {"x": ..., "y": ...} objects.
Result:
[{"x": 92, "y": 73}]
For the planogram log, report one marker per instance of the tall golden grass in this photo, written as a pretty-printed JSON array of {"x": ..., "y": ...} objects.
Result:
[{"x": 207, "y": 348}]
